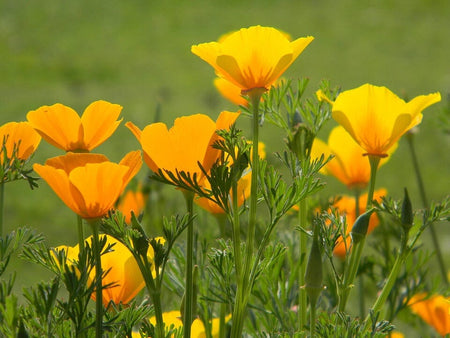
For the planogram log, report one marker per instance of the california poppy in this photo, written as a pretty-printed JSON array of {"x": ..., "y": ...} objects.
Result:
[
  {"x": 89, "y": 184},
  {"x": 230, "y": 91},
  {"x": 243, "y": 188},
  {"x": 376, "y": 118},
  {"x": 173, "y": 318},
  {"x": 434, "y": 310},
  {"x": 62, "y": 127},
  {"x": 131, "y": 201},
  {"x": 183, "y": 146},
  {"x": 123, "y": 274},
  {"x": 346, "y": 206},
  {"x": 18, "y": 137},
  {"x": 349, "y": 165},
  {"x": 253, "y": 57}
]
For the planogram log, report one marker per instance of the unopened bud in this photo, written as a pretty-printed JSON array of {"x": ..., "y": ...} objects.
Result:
[
  {"x": 407, "y": 216},
  {"x": 314, "y": 274},
  {"x": 140, "y": 243},
  {"x": 359, "y": 229}
]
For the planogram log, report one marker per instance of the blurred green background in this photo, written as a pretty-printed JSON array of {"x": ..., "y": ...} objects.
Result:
[{"x": 137, "y": 53}]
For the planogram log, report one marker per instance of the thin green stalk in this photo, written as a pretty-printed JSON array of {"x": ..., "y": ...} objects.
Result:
[
  {"x": 244, "y": 287},
  {"x": 379, "y": 303},
  {"x": 302, "y": 300},
  {"x": 223, "y": 311},
  {"x": 355, "y": 255},
  {"x": 312, "y": 318},
  {"x": 189, "y": 295},
  {"x": 80, "y": 234},
  {"x": 154, "y": 288},
  {"x": 441, "y": 263},
  {"x": 2, "y": 194},
  {"x": 98, "y": 278},
  {"x": 236, "y": 236},
  {"x": 362, "y": 305},
  {"x": 222, "y": 220}
]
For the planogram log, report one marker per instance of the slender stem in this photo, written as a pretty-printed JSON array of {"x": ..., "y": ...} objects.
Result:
[
  {"x": 154, "y": 288},
  {"x": 2, "y": 194},
  {"x": 312, "y": 318},
  {"x": 80, "y": 234},
  {"x": 378, "y": 305},
  {"x": 189, "y": 295},
  {"x": 355, "y": 255},
  {"x": 362, "y": 305},
  {"x": 302, "y": 300},
  {"x": 441, "y": 263},
  {"x": 244, "y": 286},
  {"x": 236, "y": 236},
  {"x": 223, "y": 311},
  {"x": 98, "y": 278}
]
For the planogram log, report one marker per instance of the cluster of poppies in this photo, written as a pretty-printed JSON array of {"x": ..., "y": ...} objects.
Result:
[{"x": 371, "y": 120}]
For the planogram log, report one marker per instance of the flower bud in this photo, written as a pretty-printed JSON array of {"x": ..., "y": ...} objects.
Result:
[
  {"x": 407, "y": 216},
  {"x": 140, "y": 243},
  {"x": 301, "y": 140},
  {"x": 313, "y": 275},
  {"x": 359, "y": 229}
]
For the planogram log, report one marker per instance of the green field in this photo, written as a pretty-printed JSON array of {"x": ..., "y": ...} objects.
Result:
[{"x": 137, "y": 53}]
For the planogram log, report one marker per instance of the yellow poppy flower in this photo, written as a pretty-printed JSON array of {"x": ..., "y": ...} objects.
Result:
[
  {"x": 184, "y": 145},
  {"x": 346, "y": 206},
  {"x": 376, "y": 118},
  {"x": 132, "y": 201},
  {"x": 253, "y": 57},
  {"x": 230, "y": 91},
  {"x": 434, "y": 310},
  {"x": 243, "y": 188},
  {"x": 197, "y": 329},
  {"x": 349, "y": 165},
  {"x": 123, "y": 274},
  {"x": 89, "y": 184},
  {"x": 62, "y": 127},
  {"x": 19, "y": 136}
]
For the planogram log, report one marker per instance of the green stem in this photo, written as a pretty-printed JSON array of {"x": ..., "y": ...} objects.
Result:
[
  {"x": 155, "y": 295},
  {"x": 378, "y": 305},
  {"x": 189, "y": 295},
  {"x": 236, "y": 236},
  {"x": 2, "y": 199},
  {"x": 223, "y": 313},
  {"x": 98, "y": 279},
  {"x": 80, "y": 234},
  {"x": 441, "y": 263},
  {"x": 312, "y": 314},
  {"x": 355, "y": 255},
  {"x": 302, "y": 300},
  {"x": 362, "y": 305},
  {"x": 244, "y": 286}
]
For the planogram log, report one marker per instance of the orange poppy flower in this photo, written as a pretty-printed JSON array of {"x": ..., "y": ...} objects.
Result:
[
  {"x": 18, "y": 136},
  {"x": 230, "y": 91},
  {"x": 376, "y": 118},
  {"x": 243, "y": 188},
  {"x": 184, "y": 145},
  {"x": 89, "y": 184},
  {"x": 197, "y": 329},
  {"x": 123, "y": 275},
  {"x": 349, "y": 165},
  {"x": 132, "y": 201},
  {"x": 62, "y": 127},
  {"x": 434, "y": 310},
  {"x": 253, "y": 57},
  {"x": 346, "y": 206}
]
